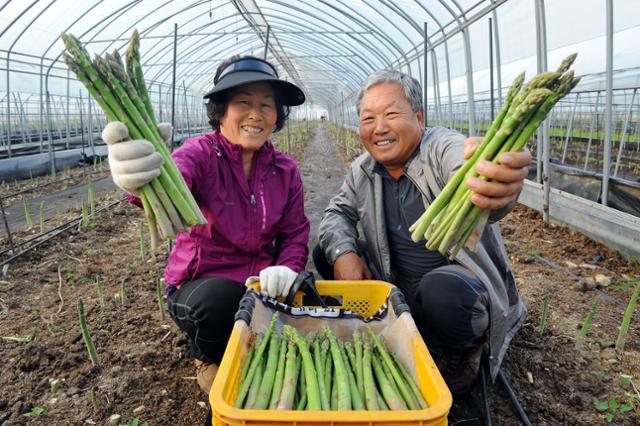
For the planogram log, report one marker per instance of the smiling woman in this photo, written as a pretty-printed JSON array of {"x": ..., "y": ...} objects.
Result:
[{"x": 252, "y": 197}]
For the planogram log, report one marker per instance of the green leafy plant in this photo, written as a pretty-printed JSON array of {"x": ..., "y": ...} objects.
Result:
[
  {"x": 626, "y": 319},
  {"x": 582, "y": 334},
  {"x": 27, "y": 214},
  {"x": 136, "y": 422},
  {"x": 612, "y": 408},
  {"x": 35, "y": 412}
]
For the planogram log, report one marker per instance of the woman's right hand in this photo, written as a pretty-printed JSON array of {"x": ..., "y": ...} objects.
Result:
[
  {"x": 350, "y": 266},
  {"x": 133, "y": 163}
]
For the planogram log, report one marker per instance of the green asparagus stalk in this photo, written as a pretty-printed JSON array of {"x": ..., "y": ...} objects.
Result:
[
  {"x": 266, "y": 386},
  {"x": 370, "y": 395},
  {"x": 341, "y": 376},
  {"x": 86, "y": 336},
  {"x": 285, "y": 402},
  {"x": 356, "y": 396},
  {"x": 397, "y": 378},
  {"x": 317, "y": 358},
  {"x": 393, "y": 400},
  {"x": 255, "y": 386},
  {"x": 313, "y": 388},
  {"x": 357, "y": 342},
  {"x": 135, "y": 73},
  {"x": 447, "y": 192},
  {"x": 277, "y": 385},
  {"x": 257, "y": 359},
  {"x": 409, "y": 380}
]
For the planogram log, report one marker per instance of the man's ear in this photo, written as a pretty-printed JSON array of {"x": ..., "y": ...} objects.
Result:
[{"x": 420, "y": 116}]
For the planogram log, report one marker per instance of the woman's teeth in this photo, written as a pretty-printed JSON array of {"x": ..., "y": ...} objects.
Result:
[
  {"x": 251, "y": 129},
  {"x": 384, "y": 143}
]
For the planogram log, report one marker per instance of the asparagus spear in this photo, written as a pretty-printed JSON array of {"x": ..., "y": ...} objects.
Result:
[
  {"x": 266, "y": 386},
  {"x": 341, "y": 379},
  {"x": 277, "y": 386},
  {"x": 313, "y": 388}
]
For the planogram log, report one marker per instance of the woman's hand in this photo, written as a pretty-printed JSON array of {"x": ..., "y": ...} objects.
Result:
[
  {"x": 133, "y": 163},
  {"x": 276, "y": 281},
  {"x": 507, "y": 177}
]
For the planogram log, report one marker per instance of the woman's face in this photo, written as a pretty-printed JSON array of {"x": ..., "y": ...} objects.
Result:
[{"x": 251, "y": 116}]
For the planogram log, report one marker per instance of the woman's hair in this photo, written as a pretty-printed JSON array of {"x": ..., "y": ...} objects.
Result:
[{"x": 217, "y": 108}]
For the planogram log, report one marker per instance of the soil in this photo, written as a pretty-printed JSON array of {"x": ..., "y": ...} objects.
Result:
[{"x": 145, "y": 371}]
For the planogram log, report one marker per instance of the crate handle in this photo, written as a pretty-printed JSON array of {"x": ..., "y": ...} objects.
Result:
[
  {"x": 245, "y": 308},
  {"x": 399, "y": 303},
  {"x": 305, "y": 282}
]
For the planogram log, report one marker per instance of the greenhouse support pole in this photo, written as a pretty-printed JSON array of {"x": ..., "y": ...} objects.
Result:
[
  {"x": 41, "y": 105},
  {"x": 52, "y": 155},
  {"x": 424, "y": 102},
  {"x": 496, "y": 36},
  {"x": 471, "y": 107},
  {"x": 81, "y": 123},
  {"x": 173, "y": 86},
  {"x": 543, "y": 137},
  {"x": 8, "y": 109},
  {"x": 624, "y": 132},
  {"x": 266, "y": 43},
  {"x": 491, "y": 72},
  {"x": 569, "y": 128},
  {"x": 68, "y": 111},
  {"x": 606, "y": 168}
]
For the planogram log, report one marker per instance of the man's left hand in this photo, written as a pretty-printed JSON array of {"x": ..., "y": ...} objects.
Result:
[{"x": 507, "y": 178}]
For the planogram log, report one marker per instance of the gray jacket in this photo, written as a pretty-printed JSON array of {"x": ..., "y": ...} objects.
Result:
[{"x": 359, "y": 201}]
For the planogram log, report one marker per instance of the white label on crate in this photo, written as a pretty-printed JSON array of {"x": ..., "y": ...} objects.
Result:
[{"x": 316, "y": 312}]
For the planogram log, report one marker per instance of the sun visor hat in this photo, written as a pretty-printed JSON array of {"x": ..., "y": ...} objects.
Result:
[{"x": 254, "y": 70}]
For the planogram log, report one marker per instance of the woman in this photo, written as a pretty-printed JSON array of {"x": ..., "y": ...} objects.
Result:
[{"x": 250, "y": 193}]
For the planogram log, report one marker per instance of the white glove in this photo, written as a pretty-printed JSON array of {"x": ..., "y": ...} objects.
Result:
[
  {"x": 133, "y": 163},
  {"x": 276, "y": 281}
]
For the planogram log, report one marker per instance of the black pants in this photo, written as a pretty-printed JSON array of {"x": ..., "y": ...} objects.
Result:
[
  {"x": 449, "y": 304},
  {"x": 204, "y": 310}
]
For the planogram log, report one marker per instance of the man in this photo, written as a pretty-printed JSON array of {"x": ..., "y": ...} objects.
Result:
[{"x": 457, "y": 305}]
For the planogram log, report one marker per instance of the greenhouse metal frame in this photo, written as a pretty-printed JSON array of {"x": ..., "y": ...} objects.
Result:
[{"x": 328, "y": 48}]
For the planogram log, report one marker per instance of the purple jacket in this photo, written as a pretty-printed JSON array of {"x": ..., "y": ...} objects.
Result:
[{"x": 251, "y": 224}]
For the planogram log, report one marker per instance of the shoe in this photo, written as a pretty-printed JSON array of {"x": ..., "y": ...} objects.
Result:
[
  {"x": 205, "y": 373},
  {"x": 460, "y": 369}
]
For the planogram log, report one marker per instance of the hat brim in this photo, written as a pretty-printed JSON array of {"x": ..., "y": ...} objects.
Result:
[{"x": 290, "y": 94}]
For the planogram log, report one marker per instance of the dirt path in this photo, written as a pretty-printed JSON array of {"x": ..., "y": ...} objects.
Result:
[{"x": 322, "y": 174}]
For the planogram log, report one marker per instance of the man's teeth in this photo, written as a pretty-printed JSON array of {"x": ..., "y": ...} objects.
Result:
[
  {"x": 383, "y": 143},
  {"x": 251, "y": 129}
]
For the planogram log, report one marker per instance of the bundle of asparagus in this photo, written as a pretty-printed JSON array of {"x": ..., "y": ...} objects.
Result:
[
  {"x": 122, "y": 94},
  {"x": 452, "y": 217},
  {"x": 322, "y": 373}
]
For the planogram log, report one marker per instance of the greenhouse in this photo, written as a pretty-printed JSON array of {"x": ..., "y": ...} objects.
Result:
[{"x": 460, "y": 180}]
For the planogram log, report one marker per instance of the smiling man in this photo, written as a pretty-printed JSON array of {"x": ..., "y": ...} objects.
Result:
[{"x": 457, "y": 305}]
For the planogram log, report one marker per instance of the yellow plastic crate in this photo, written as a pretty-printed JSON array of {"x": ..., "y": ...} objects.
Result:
[{"x": 364, "y": 298}]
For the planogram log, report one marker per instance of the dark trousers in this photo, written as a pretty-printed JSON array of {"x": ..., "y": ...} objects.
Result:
[
  {"x": 204, "y": 310},
  {"x": 449, "y": 304}
]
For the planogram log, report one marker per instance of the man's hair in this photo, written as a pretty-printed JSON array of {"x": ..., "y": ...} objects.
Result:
[
  {"x": 410, "y": 86},
  {"x": 217, "y": 109}
]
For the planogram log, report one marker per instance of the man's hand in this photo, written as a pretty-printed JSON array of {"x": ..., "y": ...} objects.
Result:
[
  {"x": 507, "y": 178},
  {"x": 350, "y": 266}
]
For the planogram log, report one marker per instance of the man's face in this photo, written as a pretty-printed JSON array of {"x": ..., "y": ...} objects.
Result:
[{"x": 389, "y": 129}]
